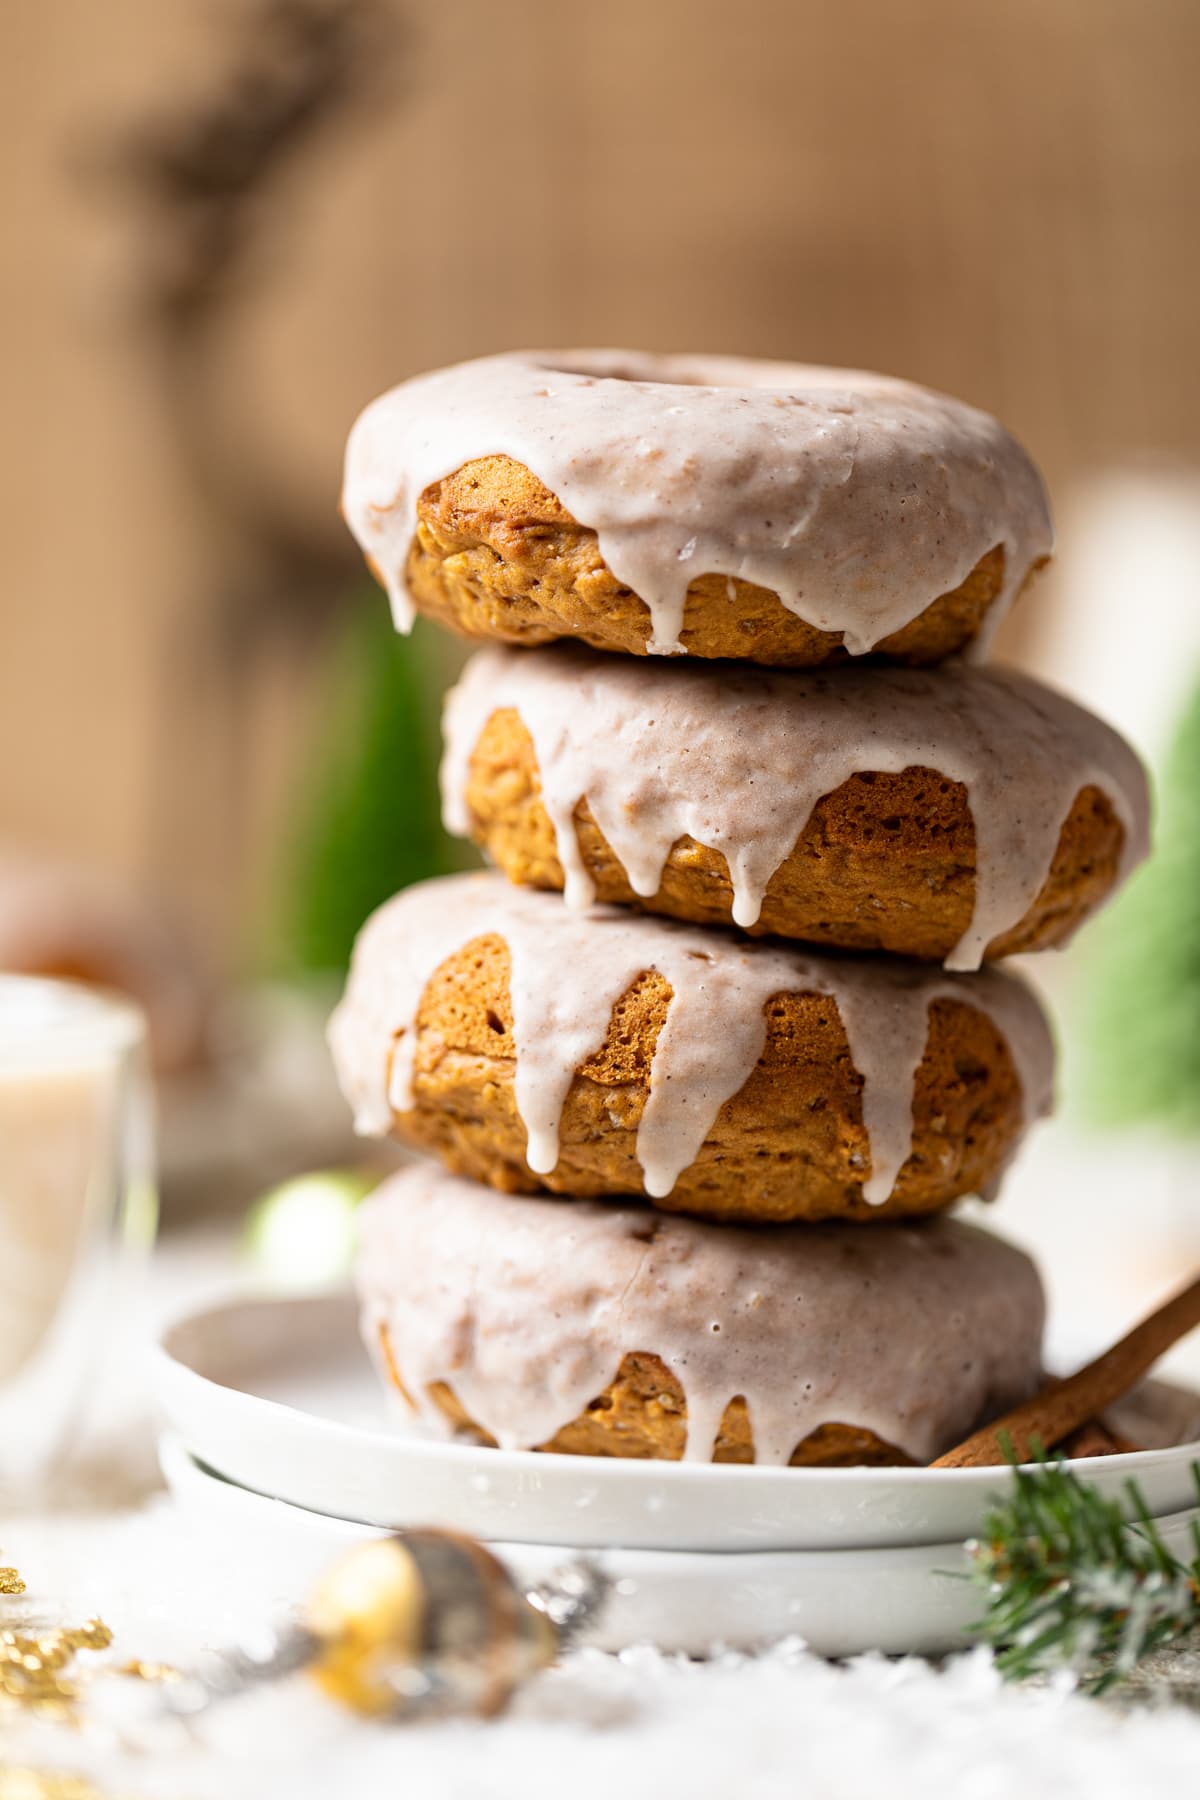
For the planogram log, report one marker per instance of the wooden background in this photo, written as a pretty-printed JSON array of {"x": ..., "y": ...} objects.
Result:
[{"x": 999, "y": 200}]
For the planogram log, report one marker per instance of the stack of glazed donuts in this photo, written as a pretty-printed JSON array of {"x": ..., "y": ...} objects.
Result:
[{"x": 708, "y": 1059}]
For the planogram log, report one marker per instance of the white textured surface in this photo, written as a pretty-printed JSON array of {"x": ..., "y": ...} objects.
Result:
[{"x": 639, "y": 1725}]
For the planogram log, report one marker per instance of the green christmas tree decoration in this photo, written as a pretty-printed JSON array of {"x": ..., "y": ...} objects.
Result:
[
  {"x": 1074, "y": 1586},
  {"x": 1142, "y": 1045},
  {"x": 368, "y": 821}
]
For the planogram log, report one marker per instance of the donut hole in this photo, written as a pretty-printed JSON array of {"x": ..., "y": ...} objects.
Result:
[{"x": 599, "y": 368}]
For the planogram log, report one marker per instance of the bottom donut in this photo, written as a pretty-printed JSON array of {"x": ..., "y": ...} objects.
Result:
[{"x": 605, "y": 1329}]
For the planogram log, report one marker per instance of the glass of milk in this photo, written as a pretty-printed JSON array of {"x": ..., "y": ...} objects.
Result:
[{"x": 77, "y": 1205}]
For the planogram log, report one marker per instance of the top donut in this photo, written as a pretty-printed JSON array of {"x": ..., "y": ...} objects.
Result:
[{"x": 702, "y": 505}]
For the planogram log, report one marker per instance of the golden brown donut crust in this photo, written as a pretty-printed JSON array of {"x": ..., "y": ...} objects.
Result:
[
  {"x": 789, "y": 1145},
  {"x": 496, "y": 555},
  {"x": 642, "y": 1415},
  {"x": 885, "y": 862}
]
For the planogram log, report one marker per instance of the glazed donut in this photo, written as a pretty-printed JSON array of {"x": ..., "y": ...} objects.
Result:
[
  {"x": 944, "y": 814},
  {"x": 621, "y": 1054},
  {"x": 721, "y": 506},
  {"x": 610, "y": 1331}
]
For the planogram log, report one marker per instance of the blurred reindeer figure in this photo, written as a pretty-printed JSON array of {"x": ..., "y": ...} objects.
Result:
[{"x": 204, "y": 183}]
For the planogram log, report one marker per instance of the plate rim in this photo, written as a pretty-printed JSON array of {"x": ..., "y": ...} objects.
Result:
[{"x": 172, "y": 1449}]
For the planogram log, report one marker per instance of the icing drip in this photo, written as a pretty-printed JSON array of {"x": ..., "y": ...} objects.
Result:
[
  {"x": 525, "y": 1307},
  {"x": 856, "y": 498},
  {"x": 737, "y": 759},
  {"x": 568, "y": 972}
]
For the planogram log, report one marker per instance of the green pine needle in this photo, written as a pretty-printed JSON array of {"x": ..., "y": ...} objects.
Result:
[{"x": 1074, "y": 1585}]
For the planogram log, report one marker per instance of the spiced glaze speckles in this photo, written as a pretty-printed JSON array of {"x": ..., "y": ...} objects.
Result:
[
  {"x": 736, "y": 758},
  {"x": 857, "y": 499},
  {"x": 912, "y": 1332},
  {"x": 568, "y": 972}
]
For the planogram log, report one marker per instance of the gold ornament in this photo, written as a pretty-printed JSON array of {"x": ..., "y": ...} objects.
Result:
[
  {"x": 138, "y": 1670},
  {"x": 423, "y": 1622},
  {"x": 403, "y": 1621},
  {"x": 38, "y": 1669}
]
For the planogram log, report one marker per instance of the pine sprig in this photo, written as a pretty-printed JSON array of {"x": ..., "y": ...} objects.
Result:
[{"x": 1073, "y": 1584}]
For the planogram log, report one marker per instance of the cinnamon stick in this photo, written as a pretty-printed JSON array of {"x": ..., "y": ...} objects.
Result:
[{"x": 1062, "y": 1406}]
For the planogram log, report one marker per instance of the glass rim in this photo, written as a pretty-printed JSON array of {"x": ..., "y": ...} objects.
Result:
[{"x": 43, "y": 1018}]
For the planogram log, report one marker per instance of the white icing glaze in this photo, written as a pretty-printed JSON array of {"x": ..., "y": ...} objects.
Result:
[
  {"x": 858, "y": 499},
  {"x": 737, "y": 758},
  {"x": 568, "y": 973},
  {"x": 525, "y": 1307}
]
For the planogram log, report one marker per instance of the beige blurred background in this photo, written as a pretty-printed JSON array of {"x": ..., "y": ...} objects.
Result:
[
  {"x": 230, "y": 223},
  {"x": 1000, "y": 201}
]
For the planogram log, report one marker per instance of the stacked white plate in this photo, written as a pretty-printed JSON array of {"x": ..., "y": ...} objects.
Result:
[{"x": 281, "y": 1435}]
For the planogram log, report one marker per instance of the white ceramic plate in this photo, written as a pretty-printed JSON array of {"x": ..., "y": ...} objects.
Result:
[
  {"x": 278, "y": 1396},
  {"x": 901, "y": 1600}
]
